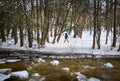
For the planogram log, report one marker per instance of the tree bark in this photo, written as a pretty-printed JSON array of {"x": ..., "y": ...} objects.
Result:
[
  {"x": 94, "y": 35},
  {"x": 114, "y": 26}
]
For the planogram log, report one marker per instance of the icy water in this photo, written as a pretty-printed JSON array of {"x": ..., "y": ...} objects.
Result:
[{"x": 88, "y": 67}]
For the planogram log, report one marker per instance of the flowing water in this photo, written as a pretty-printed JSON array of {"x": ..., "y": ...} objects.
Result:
[{"x": 88, "y": 67}]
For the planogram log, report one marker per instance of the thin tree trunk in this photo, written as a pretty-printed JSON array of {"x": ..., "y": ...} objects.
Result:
[
  {"x": 94, "y": 35},
  {"x": 37, "y": 19},
  {"x": 98, "y": 23},
  {"x": 55, "y": 36},
  {"x": 3, "y": 34},
  {"x": 106, "y": 21},
  {"x": 15, "y": 34},
  {"x": 114, "y": 26},
  {"x": 20, "y": 22}
]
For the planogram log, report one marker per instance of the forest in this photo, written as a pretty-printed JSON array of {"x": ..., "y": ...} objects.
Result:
[
  {"x": 59, "y": 40},
  {"x": 27, "y": 21}
]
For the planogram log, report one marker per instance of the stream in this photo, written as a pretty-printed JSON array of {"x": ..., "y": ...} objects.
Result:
[{"x": 88, "y": 67}]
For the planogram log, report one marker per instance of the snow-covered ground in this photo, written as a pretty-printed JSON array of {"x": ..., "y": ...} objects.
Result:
[
  {"x": 21, "y": 74},
  {"x": 75, "y": 45}
]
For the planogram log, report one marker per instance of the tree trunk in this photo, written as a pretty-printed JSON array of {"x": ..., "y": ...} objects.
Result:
[
  {"x": 20, "y": 22},
  {"x": 55, "y": 36},
  {"x": 98, "y": 23},
  {"x": 114, "y": 26},
  {"x": 21, "y": 35},
  {"x": 3, "y": 34},
  {"x": 94, "y": 35},
  {"x": 37, "y": 22}
]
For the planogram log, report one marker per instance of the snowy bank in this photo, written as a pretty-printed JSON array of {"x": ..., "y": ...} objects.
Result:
[{"x": 76, "y": 45}]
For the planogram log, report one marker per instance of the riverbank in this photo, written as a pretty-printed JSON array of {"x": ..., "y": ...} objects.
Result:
[
  {"x": 29, "y": 54},
  {"x": 76, "y": 46}
]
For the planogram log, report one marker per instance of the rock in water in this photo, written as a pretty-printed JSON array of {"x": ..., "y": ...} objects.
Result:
[
  {"x": 108, "y": 65},
  {"x": 21, "y": 74},
  {"x": 54, "y": 62}
]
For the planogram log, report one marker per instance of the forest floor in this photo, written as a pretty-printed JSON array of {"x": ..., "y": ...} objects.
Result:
[{"x": 74, "y": 46}]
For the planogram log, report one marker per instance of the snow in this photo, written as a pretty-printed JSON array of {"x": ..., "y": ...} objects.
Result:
[
  {"x": 3, "y": 77},
  {"x": 118, "y": 39},
  {"x": 93, "y": 79},
  {"x": 66, "y": 69},
  {"x": 21, "y": 74},
  {"x": 108, "y": 65},
  {"x": 40, "y": 60},
  {"x": 54, "y": 62},
  {"x": 88, "y": 67},
  {"x": 13, "y": 60},
  {"x": 80, "y": 76},
  {"x": 5, "y": 70},
  {"x": 35, "y": 75},
  {"x": 75, "y": 45},
  {"x": 2, "y": 62}
]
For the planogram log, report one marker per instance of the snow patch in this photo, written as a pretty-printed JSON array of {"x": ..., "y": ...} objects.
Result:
[
  {"x": 93, "y": 79},
  {"x": 13, "y": 60},
  {"x": 54, "y": 62},
  {"x": 35, "y": 75},
  {"x": 108, "y": 65},
  {"x": 40, "y": 60},
  {"x": 21, "y": 74},
  {"x": 3, "y": 77},
  {"x": 88, "y": 67},
  {"x": 66, "y": 69},
  {"x": 5, "y": 70},
  {"x": 80, "y": 76},
  {"x": 2, "y": 62}
]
